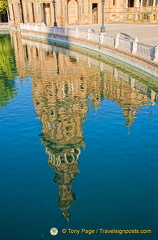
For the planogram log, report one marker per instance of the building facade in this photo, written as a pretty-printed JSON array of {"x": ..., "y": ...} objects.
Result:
[{"x": 69, "y": 12}]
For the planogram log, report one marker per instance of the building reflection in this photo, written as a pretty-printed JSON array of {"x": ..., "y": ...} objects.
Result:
[
  {"x": 63, "y": 84},
  {"x": 61, "y": 106}
]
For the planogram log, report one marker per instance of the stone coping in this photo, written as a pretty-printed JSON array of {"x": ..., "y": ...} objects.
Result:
[{"x": 127, "y": 58}]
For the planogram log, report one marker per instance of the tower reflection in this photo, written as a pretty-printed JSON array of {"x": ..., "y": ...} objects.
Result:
[{"x": 61, "y": 104}]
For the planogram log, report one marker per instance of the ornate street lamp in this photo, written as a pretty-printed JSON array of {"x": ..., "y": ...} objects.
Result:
[
  {"x": 102, "y": 27},
  {"x": 55, "y": 22}
]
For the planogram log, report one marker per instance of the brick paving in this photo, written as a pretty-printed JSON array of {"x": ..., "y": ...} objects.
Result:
[{"x": 146, "y": 33}]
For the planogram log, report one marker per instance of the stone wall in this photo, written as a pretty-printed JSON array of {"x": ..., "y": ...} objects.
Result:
[{"x": 81, "y": 11}]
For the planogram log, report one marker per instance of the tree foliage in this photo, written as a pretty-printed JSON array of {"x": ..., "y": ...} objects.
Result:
[
  {"x": 3, "y": 5},
  {"x": 7, "y": 70}
]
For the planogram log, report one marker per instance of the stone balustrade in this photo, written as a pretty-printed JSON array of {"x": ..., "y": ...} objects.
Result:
[{"x": 127, "y": 45}]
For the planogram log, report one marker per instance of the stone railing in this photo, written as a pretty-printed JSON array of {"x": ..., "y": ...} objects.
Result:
[{"x": 128, "y": 45}]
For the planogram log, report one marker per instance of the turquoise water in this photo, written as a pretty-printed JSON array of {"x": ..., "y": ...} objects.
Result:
[{"x": 78, "y": 145}]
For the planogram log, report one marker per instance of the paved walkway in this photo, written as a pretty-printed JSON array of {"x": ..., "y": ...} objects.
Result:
[{"x": 147, "y": 34}]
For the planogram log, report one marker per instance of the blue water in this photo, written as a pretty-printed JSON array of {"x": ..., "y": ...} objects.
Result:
[{"x": 118, "y": 181}]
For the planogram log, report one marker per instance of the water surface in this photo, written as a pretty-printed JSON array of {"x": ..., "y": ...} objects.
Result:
[{"x": 78, "y": 144}]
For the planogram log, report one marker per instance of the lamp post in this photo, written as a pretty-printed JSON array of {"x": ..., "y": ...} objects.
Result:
[
  {"x": 55, "y": 22},
  {"x": 102, "y": 27}
]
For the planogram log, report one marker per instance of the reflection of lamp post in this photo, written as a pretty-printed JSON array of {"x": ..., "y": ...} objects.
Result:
[
  {"x": 102, "y": 27},
  {"x": 57, "y": 59},
  {"x": 55, "y": 22}
]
